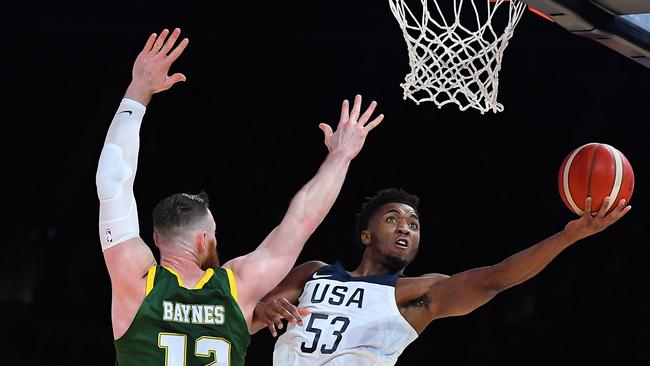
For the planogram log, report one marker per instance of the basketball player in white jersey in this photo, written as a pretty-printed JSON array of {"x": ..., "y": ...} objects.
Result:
[{"x": 368, "y": 316}]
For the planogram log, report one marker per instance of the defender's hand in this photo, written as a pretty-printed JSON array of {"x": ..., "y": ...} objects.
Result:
[
  {"x": 352, "y": 129},
  {"x": 152, "y": 65}
]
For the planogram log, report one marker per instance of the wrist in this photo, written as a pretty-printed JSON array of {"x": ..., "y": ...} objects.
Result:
[
  {"x": 340, "y": 155},
  {"x": 569, "y": 236},
  {"x": 139, "y": 93}
]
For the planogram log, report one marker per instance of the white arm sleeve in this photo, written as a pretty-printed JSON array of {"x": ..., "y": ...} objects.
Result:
[{"x": 118, "y": 213}]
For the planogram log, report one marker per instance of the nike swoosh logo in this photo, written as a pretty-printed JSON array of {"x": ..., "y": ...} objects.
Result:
[
  {"x": 129, "y": 112},
  {"x": 316, "y": 276}
]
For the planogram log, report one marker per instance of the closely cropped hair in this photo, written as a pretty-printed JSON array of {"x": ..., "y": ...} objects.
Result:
[
  {"x": 382, "y": 197},
  {"x": 179, "y": 210}
]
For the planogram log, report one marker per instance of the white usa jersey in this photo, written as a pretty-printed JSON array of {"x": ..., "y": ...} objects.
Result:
[{"x": 354, "y": 321}]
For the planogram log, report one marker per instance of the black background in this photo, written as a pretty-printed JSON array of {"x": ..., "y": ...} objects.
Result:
[{"x": 261, "y": 76}]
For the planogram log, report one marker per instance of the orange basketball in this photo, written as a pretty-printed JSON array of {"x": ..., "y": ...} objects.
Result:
[{"x": 595, "y": 170}]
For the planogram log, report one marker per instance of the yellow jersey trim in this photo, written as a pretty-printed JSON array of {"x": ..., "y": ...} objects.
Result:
[
  {"x": 180, "y": 282},
  {"x": 208, "y": 274},
  {"x": 206, "y": 277},
  {"x": 231, "y": 281},
  {"x": 151, "y": 275}
]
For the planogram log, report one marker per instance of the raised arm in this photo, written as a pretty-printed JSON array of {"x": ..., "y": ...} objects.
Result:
[
  {"x": 261, "y": 270},
  {"x": 464, "y": 292},
  {"x": 127, "y": 257}
]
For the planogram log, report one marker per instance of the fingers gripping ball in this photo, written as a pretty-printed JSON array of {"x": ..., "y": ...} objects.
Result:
[{"x": 595, "y": 170}]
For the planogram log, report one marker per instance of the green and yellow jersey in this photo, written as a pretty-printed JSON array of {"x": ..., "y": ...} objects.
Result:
[{"x": 176, "y": 326}]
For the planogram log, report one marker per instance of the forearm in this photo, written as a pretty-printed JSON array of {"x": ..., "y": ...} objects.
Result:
[
  {"x": 289, "y": 292},
  {"x": 115, "y": 176},
  {"x": 312, "y": 203},
  {"x": 139, "y": 91},
  {"x": 527, "y": 263},
  {"x": 466, "y": 291},
  {"x": 124, "y": 130}
]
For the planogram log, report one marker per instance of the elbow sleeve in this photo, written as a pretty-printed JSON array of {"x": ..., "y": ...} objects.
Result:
[{"x": 118, "y": 216}]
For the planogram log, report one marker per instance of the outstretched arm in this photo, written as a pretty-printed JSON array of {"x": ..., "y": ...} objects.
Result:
[
  {"x": 127, "y": 257},
  {"x": 258, "y": 272},
  {"x": 466, "y": 291}
]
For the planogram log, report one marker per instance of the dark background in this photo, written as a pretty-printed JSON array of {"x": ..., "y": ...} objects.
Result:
[{"x": 261, "y": 76}]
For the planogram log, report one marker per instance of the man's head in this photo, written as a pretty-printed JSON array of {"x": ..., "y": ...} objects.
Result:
[
  {"x": 388, "y": 227},
  {"x": 184, "y": 222}
]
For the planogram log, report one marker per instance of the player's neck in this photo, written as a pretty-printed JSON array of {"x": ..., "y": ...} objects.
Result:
[
  {"x": 187, "y": 269},
  {"x": 369, "y": 268}
]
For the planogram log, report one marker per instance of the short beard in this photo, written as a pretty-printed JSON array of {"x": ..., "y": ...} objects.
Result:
[{"x": 212, "y": 260}]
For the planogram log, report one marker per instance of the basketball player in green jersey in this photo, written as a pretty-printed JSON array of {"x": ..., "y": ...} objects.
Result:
[{"x": 187, "y": 310}]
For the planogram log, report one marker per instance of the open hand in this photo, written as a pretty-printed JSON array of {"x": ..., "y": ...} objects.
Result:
[
  {"x": 352, "y": 129},
  {"x": 152, "y": 65}
]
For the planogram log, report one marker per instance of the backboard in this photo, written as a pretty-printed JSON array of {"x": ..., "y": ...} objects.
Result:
[{"x": 621, "y": 25}]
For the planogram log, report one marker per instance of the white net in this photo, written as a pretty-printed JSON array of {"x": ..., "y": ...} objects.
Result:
[{"x": 453, "y": 61}]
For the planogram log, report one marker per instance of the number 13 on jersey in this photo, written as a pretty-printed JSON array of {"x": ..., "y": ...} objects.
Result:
[{"x": 216, "y": 350}]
